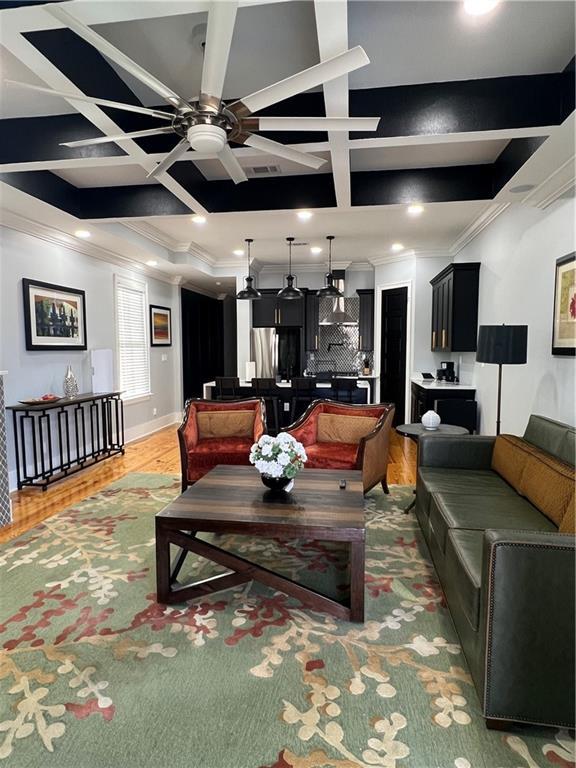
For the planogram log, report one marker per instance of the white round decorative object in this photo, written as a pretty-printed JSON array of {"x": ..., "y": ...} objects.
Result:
[
  {"x": 207, "y": 138},
  {"x": 430, "y": 421}
]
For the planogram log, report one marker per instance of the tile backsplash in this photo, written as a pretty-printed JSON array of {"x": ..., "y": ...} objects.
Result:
[{"x": 338, "y": 344}]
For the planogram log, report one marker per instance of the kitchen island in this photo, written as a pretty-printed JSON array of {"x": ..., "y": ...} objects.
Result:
[{"x": 324, "y": 389}]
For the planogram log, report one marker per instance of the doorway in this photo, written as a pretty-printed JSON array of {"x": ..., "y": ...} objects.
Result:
[{"x": 393, "y": 341}]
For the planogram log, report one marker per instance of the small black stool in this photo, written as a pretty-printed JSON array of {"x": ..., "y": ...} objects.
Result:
[
  {"x": 266, "y": 389},
  {"x": 227, "y": 387},
  {"x": 303, "y": 391}
]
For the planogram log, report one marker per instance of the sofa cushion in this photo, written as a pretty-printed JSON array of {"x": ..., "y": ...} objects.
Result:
[
  {"x": 333, "y": 428},
  {"x": 229, "y": 423},
  {"x": 478, "y": 513},
  {"x": 509, "y": 458},
  {"x": 214, "y": 450},
  {"x": 553, "y": 437},
  {"x": 464, "y": 570},
  {"x": 461, "y": 481},
  {"x": 568, "y": 524},
  {"x": 331, "y": 456},
  {"x": 549, "y": 484}
]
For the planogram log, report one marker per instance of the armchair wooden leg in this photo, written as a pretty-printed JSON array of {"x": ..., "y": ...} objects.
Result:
[{"x": 384, "y": 485}]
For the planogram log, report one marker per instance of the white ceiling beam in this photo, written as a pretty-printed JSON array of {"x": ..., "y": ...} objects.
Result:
[{"x": 332, "y": 31}]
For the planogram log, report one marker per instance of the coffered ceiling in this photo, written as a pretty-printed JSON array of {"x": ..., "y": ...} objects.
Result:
[{"x": 470, "y": 107}]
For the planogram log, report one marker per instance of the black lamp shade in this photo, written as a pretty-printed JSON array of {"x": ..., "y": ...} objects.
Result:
[
  {"x": 290, "y": 293},
  {"x": 502, "y": 344},
  {"x": 249, "y": 293}
]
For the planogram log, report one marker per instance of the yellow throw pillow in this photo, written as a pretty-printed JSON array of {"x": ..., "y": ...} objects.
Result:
[
  {"x": 225, "y": 424},
  {"x": 549, "y": 485},
  {"x": 509, "y": 459},
  {"x": 334, "y": 428}
]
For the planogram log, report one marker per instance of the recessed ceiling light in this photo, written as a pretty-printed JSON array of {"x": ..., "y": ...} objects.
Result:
[
  {"x": 218, "y": 282},
  {"x": 397, "y": 247},
  {"x": 315, "y": 250},
  {"x": 521, "y": 188},
  {"x": 83, "y": 233},
  {"x": 151, "y": 263},
  {"x": 198, "y": 219},
  {"x": 304, "y": 215},
  {"x": 415, "y": 210},
  {"x": 479, "y": 7},
  {"x": 238, "y": 252}
]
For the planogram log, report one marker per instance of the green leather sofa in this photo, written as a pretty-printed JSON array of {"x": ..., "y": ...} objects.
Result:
[{"x": 507, "y": 570}]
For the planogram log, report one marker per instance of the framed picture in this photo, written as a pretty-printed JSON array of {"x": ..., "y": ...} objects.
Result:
[
  {"x": 160, "y": 326},
  {"x": 564, "y": 328},
  {"x": 54, "y": 316}
]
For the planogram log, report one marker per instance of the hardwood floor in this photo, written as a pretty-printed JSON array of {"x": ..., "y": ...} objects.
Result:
[{"x": 156, "y": 453}]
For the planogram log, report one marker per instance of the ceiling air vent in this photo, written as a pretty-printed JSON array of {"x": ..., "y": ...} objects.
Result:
[{"x": 263, "y": 170}]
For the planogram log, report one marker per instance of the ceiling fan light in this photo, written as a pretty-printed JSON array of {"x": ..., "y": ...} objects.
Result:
[
  {"x": 249, "y": 293},
  {"x": 207, "y": 138}
]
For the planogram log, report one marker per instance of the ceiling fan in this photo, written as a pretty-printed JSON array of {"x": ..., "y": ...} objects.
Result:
[{"x": 207, "y": 124}]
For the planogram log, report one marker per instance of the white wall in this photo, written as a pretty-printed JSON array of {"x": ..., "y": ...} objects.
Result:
[
  {"x": 518, "y": 252},
  {"x": 32, "y": 374}
]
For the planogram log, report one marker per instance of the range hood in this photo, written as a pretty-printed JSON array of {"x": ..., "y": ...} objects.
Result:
[{"x": 337, "y": 314}]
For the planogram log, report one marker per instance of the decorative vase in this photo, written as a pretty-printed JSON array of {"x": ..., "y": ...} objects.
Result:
[
  {"x": 278, "y": 484},
  {"x": 70, "y": 383},
  {"x": 430, "y": 421}
]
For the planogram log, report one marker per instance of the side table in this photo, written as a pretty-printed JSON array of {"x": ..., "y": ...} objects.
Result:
[{"x": 415, "y": 432}]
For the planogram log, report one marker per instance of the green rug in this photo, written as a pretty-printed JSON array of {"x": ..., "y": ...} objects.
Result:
[{"x": 95, "y": 674}]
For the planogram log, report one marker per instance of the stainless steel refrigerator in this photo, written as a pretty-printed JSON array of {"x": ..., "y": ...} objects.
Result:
[{"x": 276, "y": 352}]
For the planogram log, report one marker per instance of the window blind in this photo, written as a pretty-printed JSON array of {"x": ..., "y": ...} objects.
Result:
[{"x": 133, "y": 353}]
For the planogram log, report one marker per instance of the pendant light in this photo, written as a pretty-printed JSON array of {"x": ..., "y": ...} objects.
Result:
[
  {"x": 329, "y": 290},
  {"x": 249, "y": 292},
  {"x": 289, "y": 292}
]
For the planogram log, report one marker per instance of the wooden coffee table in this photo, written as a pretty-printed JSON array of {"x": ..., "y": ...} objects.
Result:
[{"x": 232, "y": 499}]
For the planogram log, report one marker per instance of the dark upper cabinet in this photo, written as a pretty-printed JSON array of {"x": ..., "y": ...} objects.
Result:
[
  {"x": 264, "y": 311},
  {"x": 455, "y": 308},
  {"x": 312, "y": 324},
  {"x": 366, "y": 320},
  {"x": 272, "y": 312}
]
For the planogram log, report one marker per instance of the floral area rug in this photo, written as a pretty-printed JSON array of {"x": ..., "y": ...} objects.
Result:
[{"x": 95, "y": 674}]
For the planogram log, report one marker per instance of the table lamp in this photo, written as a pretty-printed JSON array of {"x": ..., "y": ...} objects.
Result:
[{"x": 502, "y": 345}]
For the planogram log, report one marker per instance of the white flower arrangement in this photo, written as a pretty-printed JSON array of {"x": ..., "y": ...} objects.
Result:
[{"x": 280, "y": 456}]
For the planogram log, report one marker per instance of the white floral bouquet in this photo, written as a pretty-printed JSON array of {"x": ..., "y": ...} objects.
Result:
[{"x": 280, "y": 456}]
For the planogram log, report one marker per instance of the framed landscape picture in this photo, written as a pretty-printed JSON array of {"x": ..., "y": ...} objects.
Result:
[
  {"x": 564, "y": 328},
  {"x": 54, "y": 316},
  {"x": 160, "y": 326}
]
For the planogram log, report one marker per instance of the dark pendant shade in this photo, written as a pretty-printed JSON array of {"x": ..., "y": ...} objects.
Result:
[
  {"x": 249, "y": 292},
  {"x": 289, "y": 292},
  {"x": 329, "y": 290},
  {"x": 502, "y": 344}
]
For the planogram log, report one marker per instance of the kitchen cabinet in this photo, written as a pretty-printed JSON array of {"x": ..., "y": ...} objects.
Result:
[
  {"x": 366, "y": 319},
  {"x": 312, "y": 322},
  {"x": 455, "y": 308},
  {"x": 272, "y": 312}
]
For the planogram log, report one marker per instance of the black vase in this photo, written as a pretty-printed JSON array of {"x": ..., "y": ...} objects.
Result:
[{"x": 275, "y": 483}]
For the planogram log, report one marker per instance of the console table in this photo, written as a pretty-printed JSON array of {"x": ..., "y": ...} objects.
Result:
[{"x": 55, "y": 440}]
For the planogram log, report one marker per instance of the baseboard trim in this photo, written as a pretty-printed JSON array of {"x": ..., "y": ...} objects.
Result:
[
  {"x": 131, "y": 434},
  {"x": 139, "y": 431}
]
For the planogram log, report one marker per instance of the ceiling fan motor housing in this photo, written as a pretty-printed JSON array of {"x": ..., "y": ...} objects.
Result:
[{"x": 207, "y": 138}]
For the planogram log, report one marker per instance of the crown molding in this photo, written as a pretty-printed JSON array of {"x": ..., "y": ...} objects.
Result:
[
  {"x": 360, "y": 266},
  {"x": 392, "y": 258},
  {"x": 553, "y": 186},
  {"x": 54, "y": 236},
  {"x": 477, "y": 226}
]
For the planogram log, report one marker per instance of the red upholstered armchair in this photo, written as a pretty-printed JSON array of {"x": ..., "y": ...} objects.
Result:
[
  {"x": 338, "y": 436},
  {"x": 218, "y": 433}
]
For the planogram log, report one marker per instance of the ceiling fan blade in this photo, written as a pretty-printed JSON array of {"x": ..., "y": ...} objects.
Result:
[
  {"x": 107, "y": 49},
  {"x": 232, "y": 166},
  {"x": 302, "y": 81},
  {"x": 91, "y": 100},
  {"x": 180, "y": 149},
  {"x": 221, "y": 20},
  {"x": 317, "y": 123},
  {"x": 280, "y": 150},
  {"x": 119, "y": 137}
]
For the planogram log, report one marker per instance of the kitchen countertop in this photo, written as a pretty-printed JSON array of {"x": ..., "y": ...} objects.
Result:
[
  {"x": 288, "y": 384},
  {"x": 433, "y": 384}
]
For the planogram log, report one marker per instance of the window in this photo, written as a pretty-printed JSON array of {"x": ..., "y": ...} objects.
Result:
[{"x": 132, "y": 338}]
